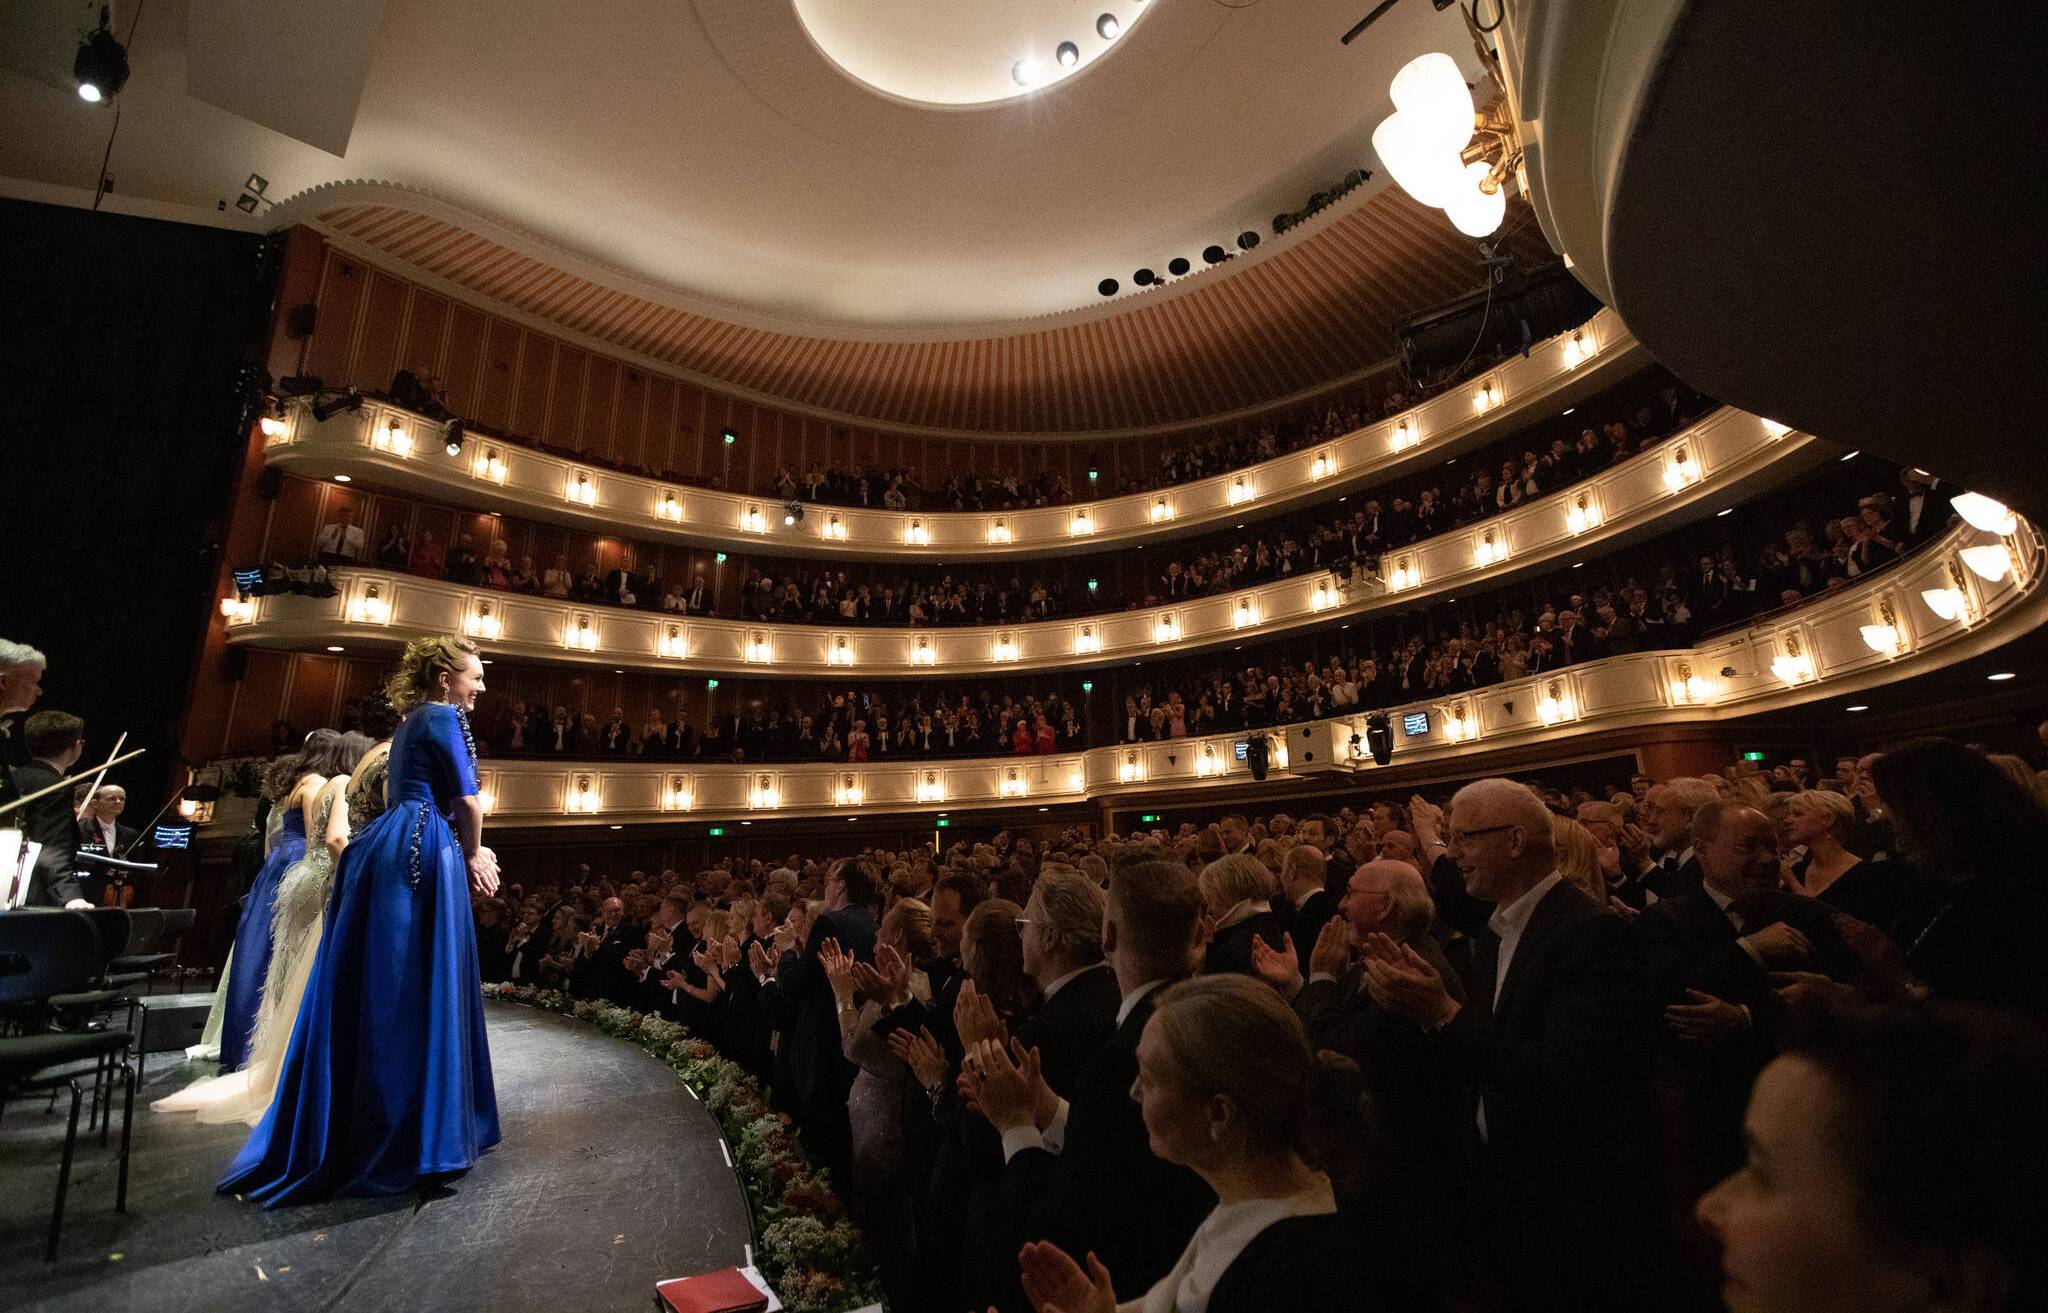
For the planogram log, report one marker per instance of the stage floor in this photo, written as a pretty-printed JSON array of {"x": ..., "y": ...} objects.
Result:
[{"x": 611, "y": 1175}]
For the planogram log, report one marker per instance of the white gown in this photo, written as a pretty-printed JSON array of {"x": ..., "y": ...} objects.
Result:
[
  {"x": 208, "y": 1047},
  {"x": 243, "y": 1096}
]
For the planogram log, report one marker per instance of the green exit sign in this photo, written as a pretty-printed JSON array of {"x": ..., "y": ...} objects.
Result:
[
  {"x": 944, "y": 823},
  {"x": 1752, "y": 756},
  {"x": 718, "y": 831},
  {"x": 1150, "y": 818}
]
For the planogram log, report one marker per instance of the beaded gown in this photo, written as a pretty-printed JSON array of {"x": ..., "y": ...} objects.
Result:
[{"x": 387, "y": 1079}]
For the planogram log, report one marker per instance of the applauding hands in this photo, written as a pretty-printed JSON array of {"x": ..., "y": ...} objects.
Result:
[
  {"x": 1055, "y": 1283},
  {"x": 1279, "y": 967},
  {"x": 1402, "y": 980}
]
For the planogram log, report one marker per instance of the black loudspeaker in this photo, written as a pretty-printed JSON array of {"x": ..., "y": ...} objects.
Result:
[
  {"x": 1256, "y": 751},
  {"x": 300, "y": 320},
  {"x": 234, "y": 665},
  {"x": 269, "y": 482},
  {"x": 1379, "y": 738}
]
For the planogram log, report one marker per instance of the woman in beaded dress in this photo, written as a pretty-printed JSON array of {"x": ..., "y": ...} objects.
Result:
[{"x": 386, "y": 1085}]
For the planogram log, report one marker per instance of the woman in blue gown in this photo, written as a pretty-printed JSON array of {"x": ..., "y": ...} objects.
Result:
[
  {"x": 300, "y": 778},
  {"x": 387, "y": 1082}
]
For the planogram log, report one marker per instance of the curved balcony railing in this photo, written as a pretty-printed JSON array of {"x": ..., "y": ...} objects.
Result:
[
  {"x": 386, "y": 445},
  {"x": 1720, "y": 457},
  {"x": 1968, "y": 593}
]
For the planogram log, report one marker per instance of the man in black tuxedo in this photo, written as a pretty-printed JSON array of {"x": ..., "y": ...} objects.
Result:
[
  {"x": 1923, "y": 510},
  {"x": 1081, "y": 1173},
  {"x": 1552, "y": 1046},
  {"x": 599, "y": 968},
  {"x": 616, "y": 736},
  {"x": 1077, "y": 989},
  {"x": 818, "y": 1068},
  {"x": 1677, "y": 869},
  {"x": 1303, "y": 873},
  {"x": 101, "y": 830},
  {"x": 622, "y": 583},
  {"x": 55, "y": 740},
  {"x": 697, "y": 600}
]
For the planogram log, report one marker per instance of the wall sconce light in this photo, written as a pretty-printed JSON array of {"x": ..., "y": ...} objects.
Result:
[
  {"x": 392, "y": 438},
  {"x": 1012, "y": 785},
  {"x": 675, "y": 642},
  {"x": 1986, "y": 513},
  {"x": 1793, "y": 666},
  {"x": 1075, "y": 779},
  {"x": 766, "y": 793},
  {"x": 583, "y": 796},
  {"x": 917, "y": 536},
  {"x": 1208, "y": 762},
  {"x": 1276, "y": 752},
  {"x": 1240, "y": 490},
  {"x": 1953, "y": 602},
  {"x": 1486, "y": 397},
  {"x": 1081, "y": 525},
  {"x": 921, "y": 653},
  {"x": 999, "y": 532},
  {"x": 1688, "y": 689},
  {"x": 1459, "y": 725},
  {"x": 1245, "y": 614},
  {"x": 274, "y": 427},
  {"x": 485, "y": 623},
  {"x": 841, "y": 653},
  {"x": 681, "y": 793},
  {"x": 1162, "y": 510},
  {"x": 1323, "y": 596},
  {"x": 238, "y": 608},
  {"x": 581, "y": 489},
  {"x": 835, "y": 528},
  {"x": 931, "y": 786},
  {"x": 490, "y": 465},
  {"x": 671, "y": 507},
  {"x": 582, "y": 633},
  {"x": 1775, "y": 429},
  {"x": 849, "y": 793},
  {"x": 1556, "y": 704},
  {"x": 1990, "y": 562},
  {"x": 1405, "y": 435},
  {"x": 1324, "y": 464},
  {"x": 1166, "y": 628},
  {"x": 1131, "y": 769},
  {"x": 1579, "y": 347},
  {"x": 1682, "y": 469},
  {"x": 1883, "y": 637},
  {"x": 1405, "y": 575},
  {"x": 1005, "y": 648},
  {"x": 1086, "y": 641},
  {"x": 1489, "y": 550},
  {"x": 753, "y": 519},
  {"x": 373, "y": 608},
  {"x": 1582, "y": 514},
  {"x": 760, "y": 647}
]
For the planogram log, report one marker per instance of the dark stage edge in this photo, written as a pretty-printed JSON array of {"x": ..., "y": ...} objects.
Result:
[{"x": 611, "y": 1176}]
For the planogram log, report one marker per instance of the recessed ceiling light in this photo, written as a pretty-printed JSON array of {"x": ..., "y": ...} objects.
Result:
[
  {"x": 746, "y": 822},
  {"x": 1854, "y": 454},
  {"x": 336, "y": 647},
  {"x": 618, "y": 827},
  {"x": 341, "y": 478},
  {"x": 2001, "y": 676},
  {"x": 1577, "y": 564},
  {"x": 1045, "y": 809},
  {"x": 1068, "y": 54},
  {"x": 1729, "y": 511},
  {"x": 1024, "y": 72},
  {"x": 1858, "y": 707},
  {"x": 1568, "y": 410}
]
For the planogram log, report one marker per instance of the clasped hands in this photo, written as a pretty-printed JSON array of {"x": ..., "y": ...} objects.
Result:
[
  {"x": 483, "y": 871},
  {"x": 1402, "y": 980}
]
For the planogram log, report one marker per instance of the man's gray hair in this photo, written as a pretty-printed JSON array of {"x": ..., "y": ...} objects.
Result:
[
  {"x": 1070, "y": 909},
  {"x": 20, "y": 654}
]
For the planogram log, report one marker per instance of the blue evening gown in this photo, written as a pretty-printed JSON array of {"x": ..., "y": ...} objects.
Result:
[
  {"x": 388, "y": 1076},
  {"x": 251, "y": 962}
]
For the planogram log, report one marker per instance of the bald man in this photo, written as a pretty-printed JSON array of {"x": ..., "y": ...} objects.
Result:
[{"x": 1554, "y": 1044}]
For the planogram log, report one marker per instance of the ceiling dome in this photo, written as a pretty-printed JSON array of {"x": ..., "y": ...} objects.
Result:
[{"x": 942, "y": 52}]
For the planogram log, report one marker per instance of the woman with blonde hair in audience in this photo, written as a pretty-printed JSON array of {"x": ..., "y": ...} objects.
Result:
[
  {"x": 1811, "y": 841},
  {"x": 1229, "y": 1087},
  {"x": 2017, "y": 770},
  {"x": 1237, "y": 893},
  {"x": 1578, "y": 858}
]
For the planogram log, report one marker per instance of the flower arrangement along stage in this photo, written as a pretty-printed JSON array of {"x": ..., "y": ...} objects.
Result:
[{"x": 803, "y": 1243}]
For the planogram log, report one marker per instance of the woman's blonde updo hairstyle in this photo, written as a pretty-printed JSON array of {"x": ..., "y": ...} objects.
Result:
[{"x": 418, "y": 677}]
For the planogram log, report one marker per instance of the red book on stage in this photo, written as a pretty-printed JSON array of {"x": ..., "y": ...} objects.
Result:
[{"x": 723, "y": 1291}]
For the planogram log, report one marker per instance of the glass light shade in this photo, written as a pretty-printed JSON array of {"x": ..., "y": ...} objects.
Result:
[
  {"x": 1988, "y": 561},
  {"x": 1473, "y": 212},
  {"x": 1881, "y": 639},
  {"x": 1948, "y": 603},
  {"x": 1986, "y": 513},
  {"x": 1424, "y": 166},
  {"x": 1432, "y": 93}
]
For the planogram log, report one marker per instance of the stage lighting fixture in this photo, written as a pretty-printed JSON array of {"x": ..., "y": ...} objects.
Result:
[
  {"x": 793, "y": 513},
  {"x": 1144, "y": 278},
  {"x": 1108, "y": 286},
  {"x": 1257, "y": 752},
  {"x": 453, "y": 443},
  {"x": 328, "y": 409},
  {"x": 1214, "y": 254},
  {"x": 1068, "y": 54},
  {"x": 1379, "y": 738},
  {"x": 101, "y": 67},
  {"x": 1177, "y": 266},
  {"x": 1106, "y": 27},
  {"x": 1247, "y": 239}
]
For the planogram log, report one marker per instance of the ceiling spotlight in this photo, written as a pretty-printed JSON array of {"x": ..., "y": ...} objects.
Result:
[
  {"x": 793, "y": 513},
  {"x": 1858, "y": 707},
  {"x": 1108, "y": 286},
  {"x": 1214, "y": 254},
  {"x": 1024, "y": 72},
  {"x": 1247, "y": 239},
  {"x": 1144, "y": 278},
  {"x": 1177, "y": 266},
  {"x": 343, "y": 478},
  {"x": 453, "y": 443},
  {"x": 101, "y": 68},
  {"x": 1068, "y": 54},
  {"x": 1106, "y": 27},
  {"x": 2001, "y": 676}
]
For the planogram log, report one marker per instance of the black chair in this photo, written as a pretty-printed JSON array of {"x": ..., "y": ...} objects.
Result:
[
  {"x": 145, "y": 942},
  {"x": 107, "y": 991},
  {"x": 45, "y": 953},
  {"x": 178, "y": 922}
]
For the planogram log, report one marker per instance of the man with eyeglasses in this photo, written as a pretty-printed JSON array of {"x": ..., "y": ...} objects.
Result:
[{"x": 1552, "y": 1047}]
